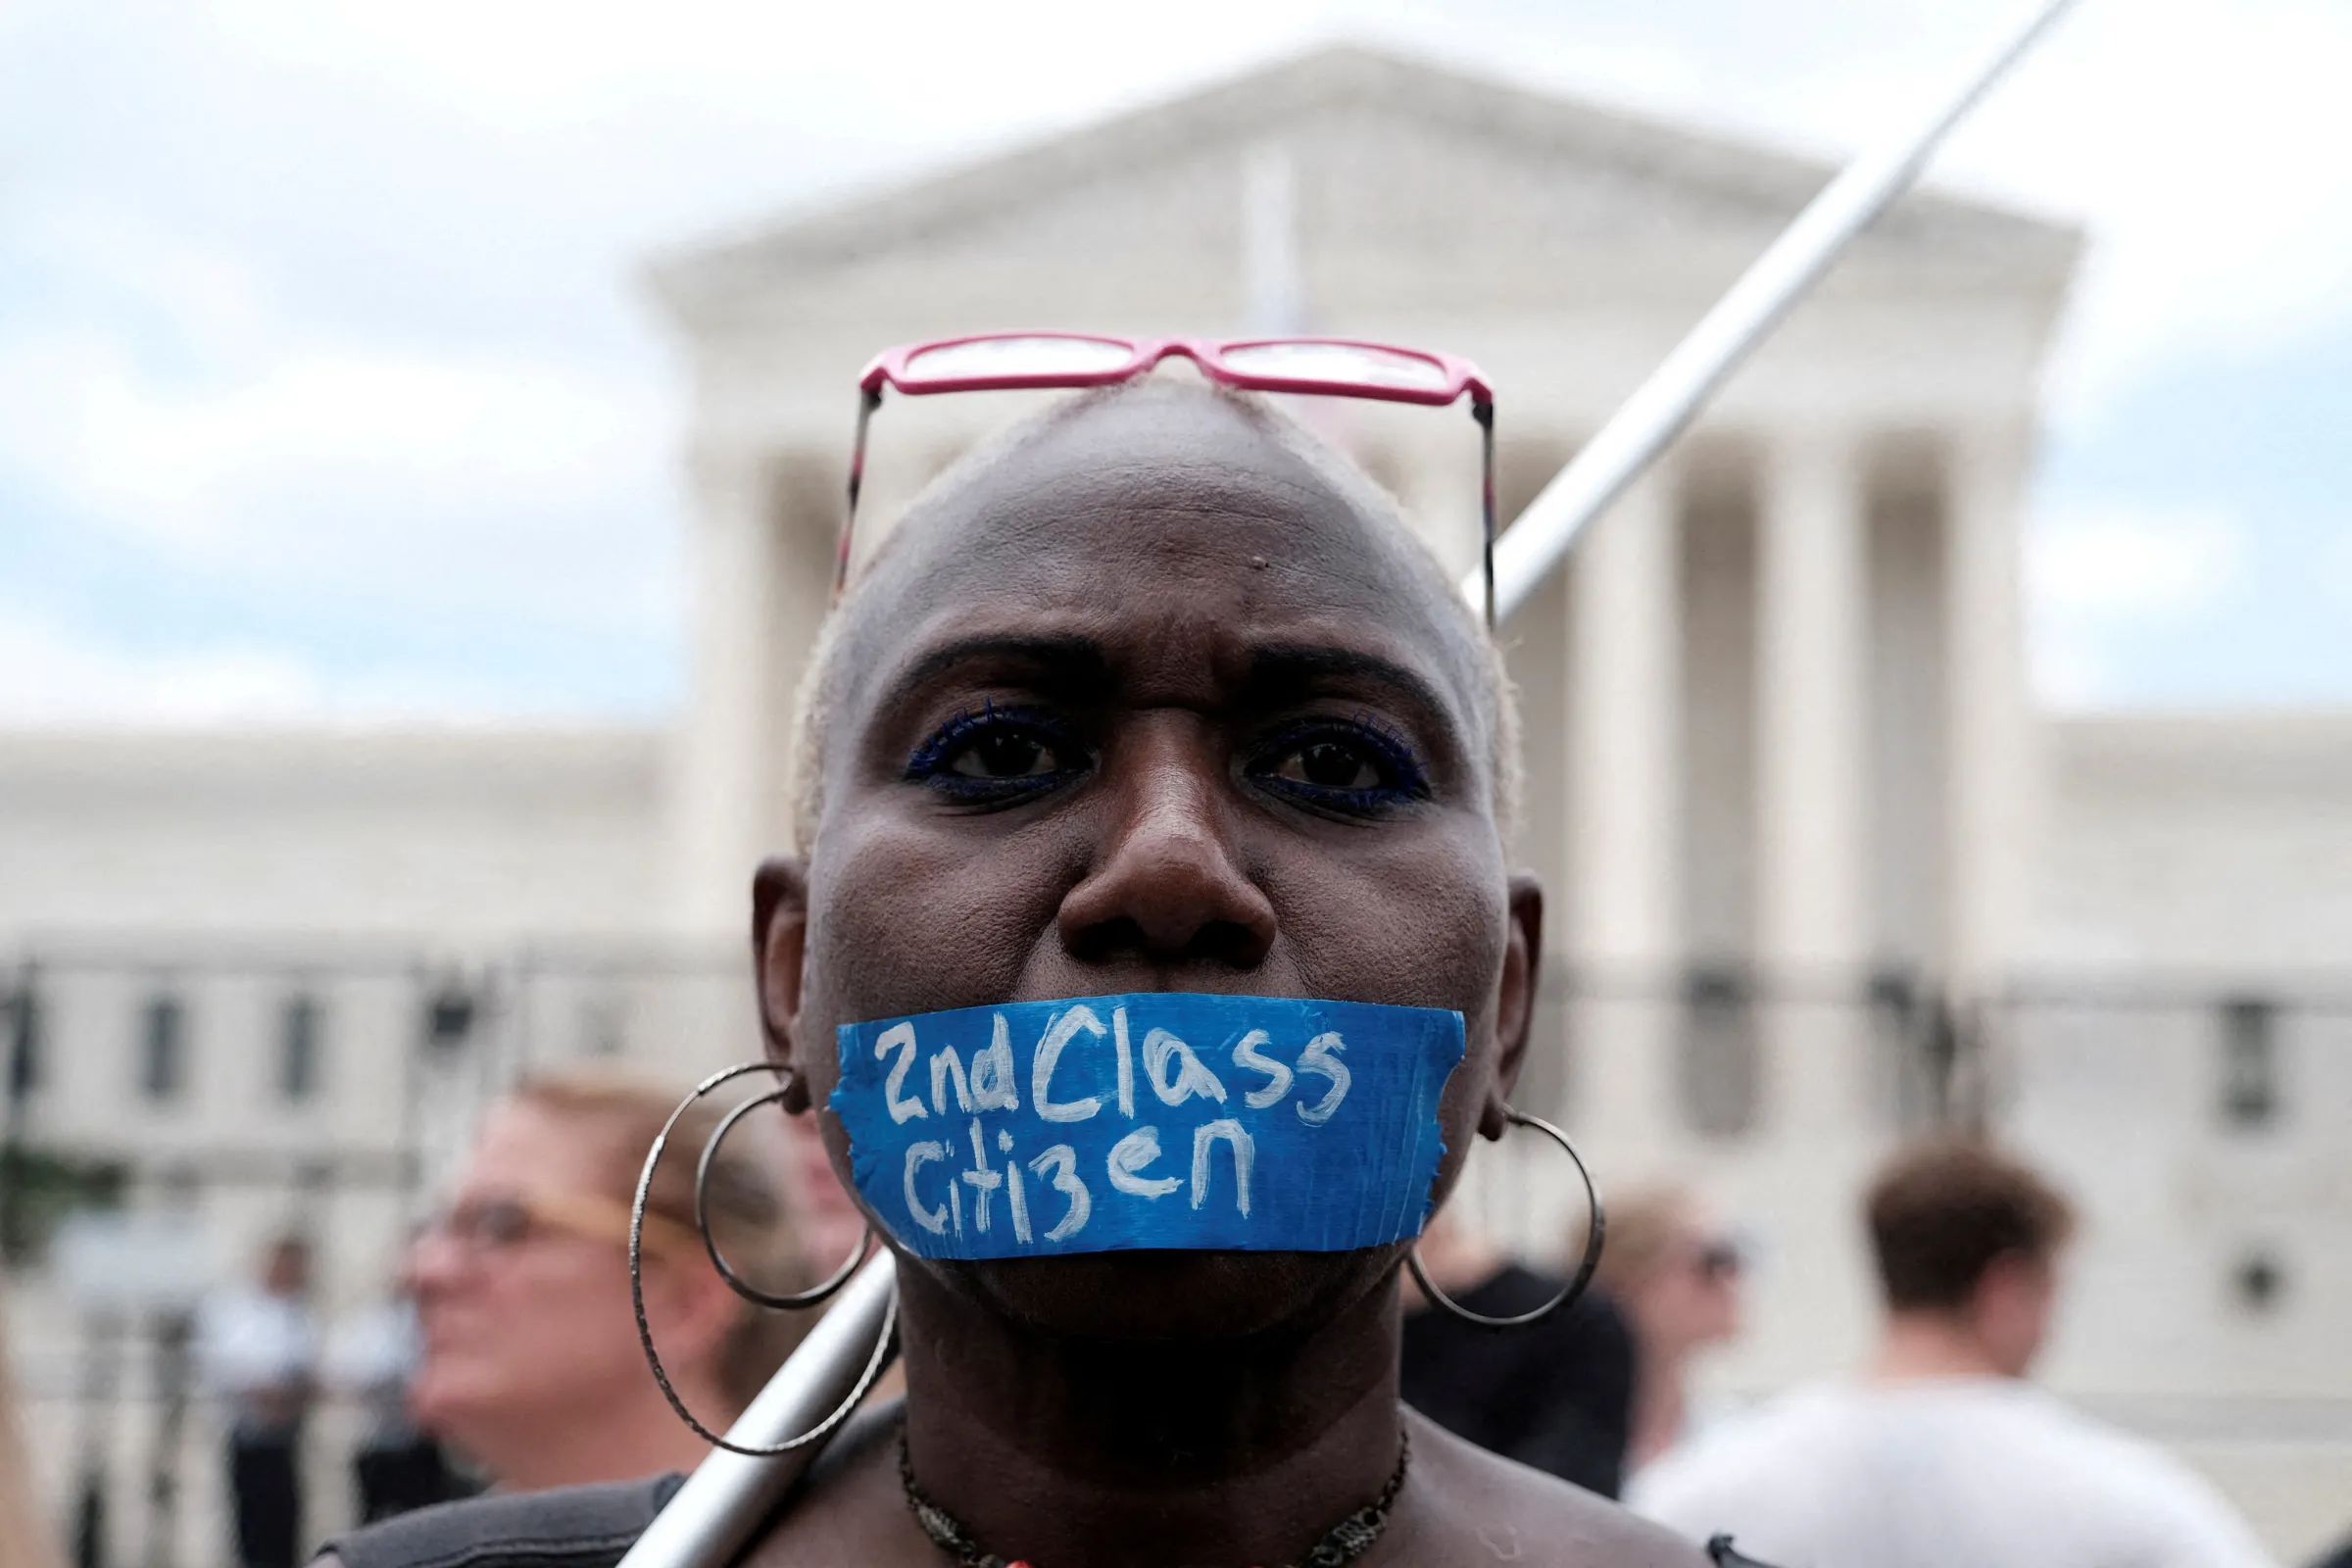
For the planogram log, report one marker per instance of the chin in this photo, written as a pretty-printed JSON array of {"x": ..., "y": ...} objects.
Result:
[{"x": 1170, "y": 1296}]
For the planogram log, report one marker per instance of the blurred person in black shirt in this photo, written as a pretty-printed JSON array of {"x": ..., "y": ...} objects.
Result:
[{"x": 1557, "y": 1396}]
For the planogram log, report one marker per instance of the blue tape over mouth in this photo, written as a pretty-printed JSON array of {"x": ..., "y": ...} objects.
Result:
[{"x": 1153, "y": 1119}]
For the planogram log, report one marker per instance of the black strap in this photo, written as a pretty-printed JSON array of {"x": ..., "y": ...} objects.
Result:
[
  {"x": 570, "y": 1527},
  {"x": 1726, "y": 1556}
]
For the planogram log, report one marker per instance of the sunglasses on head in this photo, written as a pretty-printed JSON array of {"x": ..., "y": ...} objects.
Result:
[{"x": 1326, "y": 366}]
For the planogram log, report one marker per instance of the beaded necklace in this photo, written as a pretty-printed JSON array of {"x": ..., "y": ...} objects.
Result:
[{"x": 1341, "y": 1544}]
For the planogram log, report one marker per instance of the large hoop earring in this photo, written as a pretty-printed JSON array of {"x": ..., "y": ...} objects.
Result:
[
  {"x": 883, "y": 1343},
  {"x": 1584, "y": 1269},
  {"x": 790, "y": 1301}
]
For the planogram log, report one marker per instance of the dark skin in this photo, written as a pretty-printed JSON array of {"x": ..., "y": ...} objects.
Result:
[{"x": 1152, "y": 704}]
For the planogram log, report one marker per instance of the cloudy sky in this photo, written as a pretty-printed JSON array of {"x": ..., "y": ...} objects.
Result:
[{"x": 323, "y": 393}]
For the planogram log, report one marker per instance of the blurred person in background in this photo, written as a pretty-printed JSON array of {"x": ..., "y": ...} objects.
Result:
[
  {"x": 825, "y": 1218},
  {"x": 398, "y": 1465},
  {"x": 532, "y": 1368},
  {"x": 26, "y": 1541},
  {"x": 1944, "y": 1455},
  {"x": 258, "y": 1349},
  {"x": 1557, "y": 1396},
  {"x": 1674, "y": 1271}
]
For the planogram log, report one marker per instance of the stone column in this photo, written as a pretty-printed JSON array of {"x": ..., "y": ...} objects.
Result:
[
  {"x": 1987, "y": 845},
  {"x": 756, "y": 601},
  {"x": 1811, "y": 633},
  {"x": 1618, "y": 913}
]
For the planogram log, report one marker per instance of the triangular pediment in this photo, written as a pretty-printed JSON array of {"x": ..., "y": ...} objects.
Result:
[{"x": 1393, "y": 157}]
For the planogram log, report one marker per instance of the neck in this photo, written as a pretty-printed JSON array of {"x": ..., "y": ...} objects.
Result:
[
  {"x": 1135, "y": 1453},
  {"x": 1933, "y": 1345},
  {"x": 619, "y": 1439}
]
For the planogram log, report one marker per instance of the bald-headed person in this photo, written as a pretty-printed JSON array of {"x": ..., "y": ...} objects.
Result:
[{"x": 1151, "y": 920}]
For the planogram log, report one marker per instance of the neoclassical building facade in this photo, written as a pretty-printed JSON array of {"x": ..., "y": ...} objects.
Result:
[{"x": 1811, "y": 851}]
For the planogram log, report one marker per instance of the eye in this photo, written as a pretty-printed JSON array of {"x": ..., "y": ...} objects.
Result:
[
  {"x": 1004, "y": 753},
  {"x": 997, "y": 754},
  {"x": 1355, "y": 766},
  {"x": 1330, "y": 766}
]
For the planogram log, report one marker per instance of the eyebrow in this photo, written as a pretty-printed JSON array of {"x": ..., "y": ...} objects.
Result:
[
  {"x": 1283, "y": 670},
  {"x": 1074, "y": 662},
  {"x": 1078, "y": 667}
]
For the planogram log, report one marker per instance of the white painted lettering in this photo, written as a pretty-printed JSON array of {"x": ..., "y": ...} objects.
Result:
[
  {"x": 1247, "y": 1056},
  {"x": 983, "y": 1178},
  {"x": 1058, "y": 1034},
  {"x": 1322, "y": 1059},
  {"x": 1229, "y": 1131},
  {"x": 993, "y": 1073},
  {"x": 1119, "y": 1035},
  {"x": 934, "y": 1220},
  {"x": 1128, "y": 1158},
  {"x": 947, "y": 1065},
  {"x": 1062, "y": 1159},
  {"x": 1191, "y": 1078},
  {"x": 898, "y": 1037},
  {"x": 1016, "y": 1196}
]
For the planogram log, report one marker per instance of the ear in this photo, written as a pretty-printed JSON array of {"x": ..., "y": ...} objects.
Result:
[
  {"x": 1515, "y": 999},
  {"x": 779, "y": 944}
]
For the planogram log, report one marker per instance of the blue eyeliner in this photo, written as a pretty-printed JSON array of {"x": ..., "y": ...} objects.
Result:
[{"x": 1407, "y": 780}]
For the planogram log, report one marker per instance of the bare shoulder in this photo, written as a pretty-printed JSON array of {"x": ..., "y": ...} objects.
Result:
[{"x": 1475, "y": 1507}]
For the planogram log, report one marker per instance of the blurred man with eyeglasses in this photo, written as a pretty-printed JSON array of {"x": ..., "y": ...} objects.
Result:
[{"x": 531, "y": 1367}]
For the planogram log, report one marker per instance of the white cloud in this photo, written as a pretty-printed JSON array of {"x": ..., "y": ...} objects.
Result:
[
  {"x": 2099, "y": 575},
  {"x": 276, "y": 341},
  {"x": 429, "y": 479},
  {"x": 2129, "y": 564},
  {"x": 2203, "y": 142},
  {"x": 53, "y": 675},
  {"x": 2335, "y": 567}
]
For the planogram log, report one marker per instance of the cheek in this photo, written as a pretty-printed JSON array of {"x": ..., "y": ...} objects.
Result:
[
  {"x": 537, "y": 1322},
  {"x": 1414, "y": 919},
  {"x": 1415, "y": 922},
  {"x": 904, "y": 919}
]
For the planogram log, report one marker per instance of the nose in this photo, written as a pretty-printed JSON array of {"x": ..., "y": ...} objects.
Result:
[
  {"x": 430, "y": 1264},
  {"x": 1167, "y": 886}
]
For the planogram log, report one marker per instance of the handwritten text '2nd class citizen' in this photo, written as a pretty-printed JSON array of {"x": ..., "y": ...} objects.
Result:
[{"x": 1172, "y": 1068}]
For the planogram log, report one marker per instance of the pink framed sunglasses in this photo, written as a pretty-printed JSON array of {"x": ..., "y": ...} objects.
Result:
[{"x": 1327, "y": 366}]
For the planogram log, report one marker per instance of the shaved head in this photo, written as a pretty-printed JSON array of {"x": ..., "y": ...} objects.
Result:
[{"x": 1007, "y": 508}]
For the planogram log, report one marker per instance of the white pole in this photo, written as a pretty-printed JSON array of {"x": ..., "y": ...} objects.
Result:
[
  {"x": 730, "y": 1496},
  {"x": 1664, "y": 404}
]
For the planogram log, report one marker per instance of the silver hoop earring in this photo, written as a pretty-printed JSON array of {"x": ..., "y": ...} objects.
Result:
[
  {"x": 791, "y": 1300},
  {"x": 1584, "y": 1269},
  {"x": 883, "y": 1343}
]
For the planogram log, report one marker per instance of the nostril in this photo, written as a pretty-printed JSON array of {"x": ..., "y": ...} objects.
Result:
[
  {"x": 1231, "y": 943},
  {"x": 1227, "y": 942},
  {"x": 1105, "y": 940}
]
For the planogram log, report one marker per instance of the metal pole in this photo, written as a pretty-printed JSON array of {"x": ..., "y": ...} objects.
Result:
[
  {"x": 1541, "y": 539},
  {"x": 730, "y": 1496}
]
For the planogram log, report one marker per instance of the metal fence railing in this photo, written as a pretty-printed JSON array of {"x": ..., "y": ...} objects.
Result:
[{"x": 254, "y": 1091}]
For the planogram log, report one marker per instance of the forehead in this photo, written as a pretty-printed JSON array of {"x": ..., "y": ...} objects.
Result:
[
  {"x": 525, "y": 1145},
  {"x": 1172, "y": 517}
]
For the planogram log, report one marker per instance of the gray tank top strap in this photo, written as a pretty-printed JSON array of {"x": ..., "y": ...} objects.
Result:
[{"x": 571, "y": 1527}]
